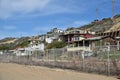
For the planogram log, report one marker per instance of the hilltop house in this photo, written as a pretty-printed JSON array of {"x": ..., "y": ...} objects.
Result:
[
  {"x": 76, "y": 39},
  {"x": 20, "y": 52},
  {"x": 114, "y": 43},
  {"x": 90, "y": 43},
  {"x": 34, "y": 45},
  {"x": 42, "y": 37},
  {"x": 51, "y": 36}
]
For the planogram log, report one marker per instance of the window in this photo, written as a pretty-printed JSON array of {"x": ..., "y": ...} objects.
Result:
[{"x": 76, "y": 38}]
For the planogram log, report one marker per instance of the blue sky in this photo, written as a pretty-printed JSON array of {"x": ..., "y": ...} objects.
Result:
[{"x": 32, "y": 17}]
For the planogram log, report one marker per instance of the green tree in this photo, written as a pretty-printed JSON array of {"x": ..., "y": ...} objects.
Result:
[
  {"x": 24, "y": 44},
  {"x": 70, "y": 28},
  {"x": 56, "y": 44},
  {"x": 4, "y": 48}
]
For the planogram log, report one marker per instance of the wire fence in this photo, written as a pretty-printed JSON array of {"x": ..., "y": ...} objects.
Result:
[{"x": 101, "y": 60}]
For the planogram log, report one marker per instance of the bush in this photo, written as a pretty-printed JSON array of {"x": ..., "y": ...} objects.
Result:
[
  {"x": 24, "y": 44},
  {"x": 56, "y": 44},
  {"x": 4, "y": 47},
  {"x": 117, "y": 16}
]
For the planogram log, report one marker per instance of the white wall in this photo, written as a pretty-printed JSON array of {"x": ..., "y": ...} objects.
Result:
[
  {"x": 1, "y": 53},
  {"x": 49, "y": 40}
]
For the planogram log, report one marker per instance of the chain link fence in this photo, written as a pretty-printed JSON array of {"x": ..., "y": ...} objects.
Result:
[{"x": 101, "y": 60}]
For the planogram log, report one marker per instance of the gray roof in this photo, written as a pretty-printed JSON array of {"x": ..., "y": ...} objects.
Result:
[
  {"x": 117, "y": 38},
  {"x": 97, "y": 38}
]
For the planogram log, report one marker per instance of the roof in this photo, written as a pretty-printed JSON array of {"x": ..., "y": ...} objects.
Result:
[
  {"x": 88, "y": 35},
  {"x": 117, "y": 38},
  {"x": 97, "y": 38}
]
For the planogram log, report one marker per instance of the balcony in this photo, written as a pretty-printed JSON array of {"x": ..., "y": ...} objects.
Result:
[{"x": 79, "y": 48}]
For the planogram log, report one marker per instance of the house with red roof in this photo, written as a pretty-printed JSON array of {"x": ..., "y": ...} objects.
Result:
[{"x": 76, "y": 39}]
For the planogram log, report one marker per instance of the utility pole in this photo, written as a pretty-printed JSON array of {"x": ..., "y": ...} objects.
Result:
[
  {"x": 96, "y": 13},
  {"x": 113, "y": 8}
]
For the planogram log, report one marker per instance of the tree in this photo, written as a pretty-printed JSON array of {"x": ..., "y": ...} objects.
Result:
[
  {"x": 24, "y": 44},
  {"x": 56, "y": 44},
  {"x": 70, "y": 28},
  {"x": 4, "y": 48}
]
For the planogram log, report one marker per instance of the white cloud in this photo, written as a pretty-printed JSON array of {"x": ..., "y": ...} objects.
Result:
[
  {"x": 29, "y": 5},
  {"x": 16, "y": 8},
  {"x": 23, "y": 8},
  {"x": 10, "y": 7}
]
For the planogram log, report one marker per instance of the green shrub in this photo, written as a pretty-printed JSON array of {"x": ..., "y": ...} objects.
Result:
[
  {"x": 24, "y": 44},
  {"x": 56, "y": 44}
]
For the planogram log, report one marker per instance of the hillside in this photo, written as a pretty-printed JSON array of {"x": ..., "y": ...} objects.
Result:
[
  {"x": 116, "y": 24},
  {"x": 11, "y": 43},
  {"x": 7, "y": 40},
  {"x": 104, "y": 25}
]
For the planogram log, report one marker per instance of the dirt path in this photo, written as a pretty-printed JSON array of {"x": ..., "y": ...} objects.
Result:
[{"x": 20, "y": 72}]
